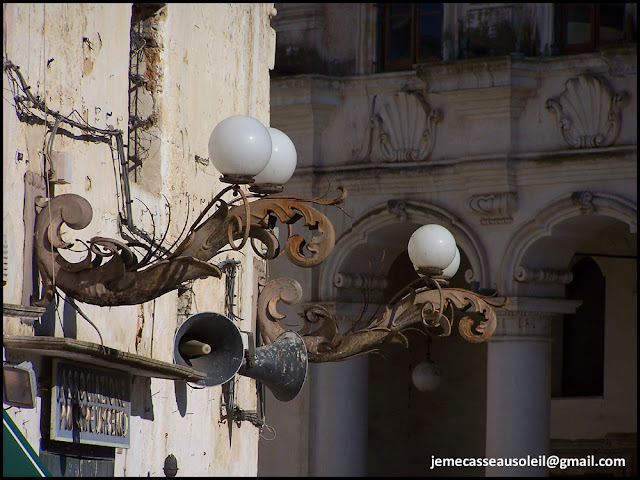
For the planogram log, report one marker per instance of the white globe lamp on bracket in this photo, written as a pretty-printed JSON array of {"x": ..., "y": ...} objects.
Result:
[
  {"x": 432, "y": 249},
  {"x": 281, "y": 166},
  {"x": 448, "y": 272},
  {"x": 239, "y": 148}
]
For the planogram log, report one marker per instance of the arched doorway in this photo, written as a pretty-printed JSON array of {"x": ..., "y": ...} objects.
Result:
[
  {"x": 404, "y": 426},
  {"x": 583, "y": 247}
]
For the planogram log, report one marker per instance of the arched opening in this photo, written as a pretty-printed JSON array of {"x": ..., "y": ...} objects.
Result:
[
  {"x": 379, "y": 423},
  {"x": 375, "y": 240},
  {"x": 403, "y": 422}
]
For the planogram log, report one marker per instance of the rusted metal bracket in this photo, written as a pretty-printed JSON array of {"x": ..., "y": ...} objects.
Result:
[
  {"x": 434, "y": 307},
  {"x": 111, "y": 274}
]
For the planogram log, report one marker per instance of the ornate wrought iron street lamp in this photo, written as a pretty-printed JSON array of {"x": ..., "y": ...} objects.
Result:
[
  {"x": 427, "y": 301},
  {"x": 112, "y": 274},
  {"x": 246, "y": 152}
]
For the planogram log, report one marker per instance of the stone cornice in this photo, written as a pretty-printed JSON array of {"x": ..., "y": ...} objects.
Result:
[
  {"x": 520, "y": 71},
  {"x": 477, "y": 73},
  {"x": 528, "y": 318},
  {"x": 539, "y": 306},
  {"x": 522, "y": 74},
  {"x": 306, "y": 89},
  {"x": 553, "y": 155},
  {"x": 289, "y": 86},
  {"x": 27, "y": 313},
  {"x": 621, "y": 165}
]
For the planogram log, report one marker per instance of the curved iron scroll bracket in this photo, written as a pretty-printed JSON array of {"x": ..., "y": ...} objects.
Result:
[
  {"x": 112, "y": 275},
  {"x": 434, "y": 307}
]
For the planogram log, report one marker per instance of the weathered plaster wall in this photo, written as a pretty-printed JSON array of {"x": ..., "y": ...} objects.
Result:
[
  {"x": 214, "y": 63},
  {"x": 68, "y": 73},
  {"x": 500, "y": 168}
]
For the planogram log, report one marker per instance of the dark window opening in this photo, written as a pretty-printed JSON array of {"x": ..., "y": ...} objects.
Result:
[
  {"x": 583, "y": 333},
  {"x": 584, "y": 27},
  {"x": 409, "y": 33}
]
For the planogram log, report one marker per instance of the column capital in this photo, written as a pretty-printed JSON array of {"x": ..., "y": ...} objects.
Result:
[
  {"x": 541, "y": 305},
  {"x": 528, "y": 318}
]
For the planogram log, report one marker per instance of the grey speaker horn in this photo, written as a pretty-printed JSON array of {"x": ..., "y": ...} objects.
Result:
[
  {"x": 281, "y": 365},
  {"x": 211, "y": 343}
]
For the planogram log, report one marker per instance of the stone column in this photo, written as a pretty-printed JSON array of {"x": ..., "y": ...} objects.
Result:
[
  {"x": 338, "y": 409},
  {"x": 338, "y": 427},
  {"x": 519, "y": 384}
]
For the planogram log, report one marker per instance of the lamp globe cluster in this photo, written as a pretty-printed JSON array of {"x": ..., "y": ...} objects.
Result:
[
  {"x": 245, "y": 151},
  {"x": 432, "y": 248}
]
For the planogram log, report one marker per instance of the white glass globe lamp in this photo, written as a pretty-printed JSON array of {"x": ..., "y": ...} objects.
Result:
[
  {"x": 240, "y": 148},
  {"x": 431, "y": 249},
  {"x": 281, "y": 165},
  {"x": 426, "y": 376},
  {"x": 451, "y": 270}
]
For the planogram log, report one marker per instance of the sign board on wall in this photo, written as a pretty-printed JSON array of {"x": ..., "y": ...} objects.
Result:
[{"x": 90, "y": 405}]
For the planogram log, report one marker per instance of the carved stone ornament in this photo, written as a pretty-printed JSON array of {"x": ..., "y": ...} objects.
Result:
[
  {"x": 495, "y": 208},
  {"x": 111, "y": 273},
  {"x": 402, "y": 128},
  {"x": 543, "y": 275},
  {"x": 360, "y": 281},
  {"x": 588, "y": 112},
  {"x": 434, "y": 308},
  {"x": 584, "y": 199}
]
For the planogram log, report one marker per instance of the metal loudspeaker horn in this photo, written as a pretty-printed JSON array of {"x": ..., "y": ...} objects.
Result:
[
  {"x": 281, "y": 365},
  {"x": 212, "y": 343}
]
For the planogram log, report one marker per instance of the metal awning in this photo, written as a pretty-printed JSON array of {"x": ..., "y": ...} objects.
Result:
[{"x": 96, "y": 354}]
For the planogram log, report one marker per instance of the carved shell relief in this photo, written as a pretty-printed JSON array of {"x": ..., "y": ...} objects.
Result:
[
  {"x": 402, "y": 128},
  {"x": 588, "y": 112}
]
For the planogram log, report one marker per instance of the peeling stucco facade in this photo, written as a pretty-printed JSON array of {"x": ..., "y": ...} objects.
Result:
[{"x": 212, "y": 61}]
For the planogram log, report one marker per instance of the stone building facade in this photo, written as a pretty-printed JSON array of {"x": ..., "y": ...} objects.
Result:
[
  {"x": 92, "y": 90},
  {"x": 514, "y": 126}
]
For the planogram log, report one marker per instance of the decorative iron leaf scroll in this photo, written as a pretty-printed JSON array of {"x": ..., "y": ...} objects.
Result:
[
  {"x": 111, "y": 274},
  {"x": 436, "y": 309}
]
